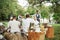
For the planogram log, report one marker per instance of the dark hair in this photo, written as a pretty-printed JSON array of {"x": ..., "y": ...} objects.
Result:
[
  {"x": 27, "y": 15},
  {"x": 14, "y": 17},
  {"x": 36, "y": 10}
]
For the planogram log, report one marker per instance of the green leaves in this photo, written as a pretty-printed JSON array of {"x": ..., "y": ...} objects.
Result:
[
  {"x": 31, "y": 10},
  {"x": 56, "y": 8},
  {"x": 6, "y": 7},
  {"x": 34, "y": 2}
]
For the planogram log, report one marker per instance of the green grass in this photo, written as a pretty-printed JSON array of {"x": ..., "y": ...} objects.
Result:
[
  {"x": 56, "y": 30},
  {"x": 56, "y": 25}
]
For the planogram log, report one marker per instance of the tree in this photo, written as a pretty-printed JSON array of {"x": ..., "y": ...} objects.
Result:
[
  {"x": 20, "y": 10},
  {"x": 7, "y": 7},
  {"x": 57, "y": 13},
  {"x": 31, "y": 10},
  {"x": 45, "y": 12},
  {"x": 56, "y": 8}
]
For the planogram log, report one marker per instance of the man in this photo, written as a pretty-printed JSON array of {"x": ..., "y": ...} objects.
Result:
[
  {"x": 26, "y": 23},
  {"x": 38, "y": 16},
  {"x": 14, "y": 27}
]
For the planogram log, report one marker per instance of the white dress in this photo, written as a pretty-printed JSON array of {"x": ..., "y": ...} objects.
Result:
[{"x": 36, "y": 27}]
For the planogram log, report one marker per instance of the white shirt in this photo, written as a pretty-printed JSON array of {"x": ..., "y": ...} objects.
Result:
[
  {"x": 26, "y": 24},
  {"x": 14, "y": 26}
]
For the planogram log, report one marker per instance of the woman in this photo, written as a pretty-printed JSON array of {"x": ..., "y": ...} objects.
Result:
[{"x": 39, "y": 34}]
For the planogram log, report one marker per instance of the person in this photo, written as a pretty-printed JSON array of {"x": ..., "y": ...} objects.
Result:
[
  {"x": 39, "y": 30},
  {"x": 8, "y": 28},
  {"x": 19, "y": 17},
  {"x": 49, "y": 30},
  {"x": 36, "y": 25},
  {"x": 38, "y": 16},
  {"x": 26, "y": 24},
  {"x": 14, "y": 27},
  {"x": 29, "y": 27},
  {"x": 22, "y": 32},
  {"x": 36, "y": 28}
]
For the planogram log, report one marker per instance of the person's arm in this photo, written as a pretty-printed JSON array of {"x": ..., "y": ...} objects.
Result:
[
  {"x": 19, "y": 25},
  {"x": 9, "y": 27}
]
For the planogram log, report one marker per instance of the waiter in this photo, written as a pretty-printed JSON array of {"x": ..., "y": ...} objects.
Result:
[{"x": 38, "y": 16}]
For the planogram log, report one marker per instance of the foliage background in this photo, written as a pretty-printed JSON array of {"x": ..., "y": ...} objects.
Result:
[{"x": 10, "y": 7}]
